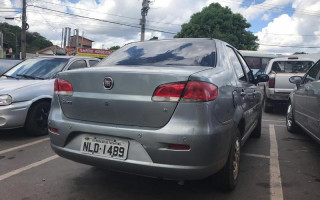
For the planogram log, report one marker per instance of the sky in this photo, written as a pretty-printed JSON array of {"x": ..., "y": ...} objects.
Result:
[{"x": 282, "y": 26}]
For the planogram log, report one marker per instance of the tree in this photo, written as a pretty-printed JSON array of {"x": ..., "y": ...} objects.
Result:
[
  {"x": 219, "y": 22},
  {"x": 12, "y": 39},
  {"x": 154, "y": 38},
  {"x": 114, "y": 48},
  {"x": 296, "y": 53}
]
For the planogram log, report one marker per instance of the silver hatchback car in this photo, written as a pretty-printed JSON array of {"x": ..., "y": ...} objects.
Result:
[{"x": 174, "y": 109}]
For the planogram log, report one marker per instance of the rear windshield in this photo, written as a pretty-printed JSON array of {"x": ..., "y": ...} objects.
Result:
[
  {"x": 164, "y": 53},
  {"x": 291, "y": 66}
]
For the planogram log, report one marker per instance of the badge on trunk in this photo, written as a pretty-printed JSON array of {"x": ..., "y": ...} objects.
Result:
[{"x": 108, "y": 83}]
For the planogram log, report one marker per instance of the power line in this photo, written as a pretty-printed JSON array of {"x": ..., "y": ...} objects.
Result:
[
  {"x": 276, "y": 45},
  {"x": 274, "y": 6},
  {"x": 10, "y": 9},
  {"x": 101, "y": 20},
  {"x": 115, "y": 15},
  {"x": 7, "y": 11}
]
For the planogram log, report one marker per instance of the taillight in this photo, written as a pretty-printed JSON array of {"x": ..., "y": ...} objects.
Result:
[
  {"x": 63, "y": 87},
  {"x": 169, "y": 92},
  {"x": 272, "y": 82},
  {"x": 200, "y": 91},
  {"x": 179, "y": 147},
  {"x": 192, "y": 91},
  {"x": 54, "y": 130}
]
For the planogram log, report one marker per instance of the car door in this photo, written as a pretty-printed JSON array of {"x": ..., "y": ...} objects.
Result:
[
  {"x": 93, "y": 63},
  {"x": 78, "y": 64},
  {"x": 244, "y": 89},
  {"x": 256, "y": 92},
  {"x": 312, "y": 94}
]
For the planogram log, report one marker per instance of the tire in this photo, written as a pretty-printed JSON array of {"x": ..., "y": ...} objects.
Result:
[
  {"x": 228, "y": 176},
  {"x": 266, "y": 108},
  {"x": 37, "y": 119},
  {"x": 256, "y": 133},
  {"x": 292, "y": 126}
]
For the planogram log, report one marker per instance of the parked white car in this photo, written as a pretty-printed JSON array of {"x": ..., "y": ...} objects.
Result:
[
  {"x": 26, "y": 91},
  {"x": 278, "y": 88}
]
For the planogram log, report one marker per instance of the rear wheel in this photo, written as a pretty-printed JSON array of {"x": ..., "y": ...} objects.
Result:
[
  {"x": 290, "y": 123},
  {"x": 37, "y": 119},
  {"x": 228, "y": 176}
]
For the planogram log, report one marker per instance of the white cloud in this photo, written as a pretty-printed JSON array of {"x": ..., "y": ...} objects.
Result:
[
  {"x": 168, "y": 15},
  {"x": 302, "y": 29},
  {"x": 6, "y": 6},
  {"x": 266, "y": 16}
]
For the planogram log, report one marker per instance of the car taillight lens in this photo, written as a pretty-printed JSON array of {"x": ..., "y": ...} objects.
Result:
[
  {"x": 272, "y": 82},
  {"x": 169, "y": 92},
  {"x": 192, "y": 91},
  {"x": 179, "y": 147},
  {"x": 63, "y": 87},
  {"x": 200, "y": 91}
]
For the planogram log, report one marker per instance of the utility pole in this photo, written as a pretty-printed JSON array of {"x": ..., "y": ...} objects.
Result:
[
  {"x": 82, "y": 38},
  {"x": 144, "y": 12},
  {"x": 24, "y": 29}
]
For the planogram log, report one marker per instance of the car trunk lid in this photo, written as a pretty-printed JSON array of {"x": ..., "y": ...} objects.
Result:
[
  {"x": 282, "y": 84},
  {"x": 128, "y": 102}
]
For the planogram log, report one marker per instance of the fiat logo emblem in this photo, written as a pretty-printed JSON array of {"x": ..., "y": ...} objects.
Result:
[{"x": 108, "y": 83}]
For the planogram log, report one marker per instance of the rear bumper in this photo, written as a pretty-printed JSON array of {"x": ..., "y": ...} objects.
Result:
[
  {"x": 14, "y": 115},
  {"x": 148, "y": 152},
  {"x": 142, "y": 168},
  {"x": 277, "y": 96}
]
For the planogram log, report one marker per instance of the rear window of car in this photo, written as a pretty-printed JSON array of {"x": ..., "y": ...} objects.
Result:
[
  {"x": 165, "y": 53},
  {"x": 291, "y": 66}
]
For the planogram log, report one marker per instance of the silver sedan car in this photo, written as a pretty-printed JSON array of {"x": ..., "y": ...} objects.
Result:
[
  {"x": 304, "y": 103},
  {"x": 173, "y": 109},
  {"x": 26, "y": 91}
]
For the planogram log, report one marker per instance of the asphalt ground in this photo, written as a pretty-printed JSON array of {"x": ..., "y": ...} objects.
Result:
[{"x": 279, "y": 165}]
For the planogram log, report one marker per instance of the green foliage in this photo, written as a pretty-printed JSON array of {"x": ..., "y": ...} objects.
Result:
[
  {"x": 296, "y": 53},
  {"x": 154, "y": 38},
  {"x": 114, "y": 48},
  {"x": 219, "y": 22},
  {"x": 36, "y": 42},
  {"x": 12, "y": 39}
]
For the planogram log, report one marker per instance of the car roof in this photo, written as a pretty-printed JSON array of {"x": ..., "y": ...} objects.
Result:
[
  {"x": 67, "y": 57},
  {"x": 291, "y": 58},
  {"x": 173, "y": 39}
]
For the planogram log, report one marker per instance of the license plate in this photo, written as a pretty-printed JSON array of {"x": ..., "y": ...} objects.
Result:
[{"x": 105, "y": 147}]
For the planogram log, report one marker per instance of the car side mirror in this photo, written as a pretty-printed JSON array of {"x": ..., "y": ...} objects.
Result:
[
  {"x": 262, "y": 78},
  {"x": 296, "y": 80}
]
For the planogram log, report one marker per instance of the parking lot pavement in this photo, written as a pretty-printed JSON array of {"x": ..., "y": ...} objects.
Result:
[{"x": 30, "y": 170}]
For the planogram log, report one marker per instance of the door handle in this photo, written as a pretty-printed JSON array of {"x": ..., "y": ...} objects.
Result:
[{"x": 242, "y": 93}]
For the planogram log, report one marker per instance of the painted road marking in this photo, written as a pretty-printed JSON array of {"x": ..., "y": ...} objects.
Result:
[
  {"x": 22, "y": 146},
  {"x": 275, "y": 176},
  {"x": 256, "y": 155},
  {"x": 22, "y": 169},
  {"x": 280, "y": 125},
  {"x": 277, "y": 121}
]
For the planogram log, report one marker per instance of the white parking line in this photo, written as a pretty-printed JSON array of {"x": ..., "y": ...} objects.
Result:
[
  {"x": 277, "y": 121},
  {"x": 280, "y": 125},
  {"x": 22, "y": 146},
  {"x": 22, "y": 169},
  {"x": 275, "y": 176},
  {"x": 256, "y": 155}
]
